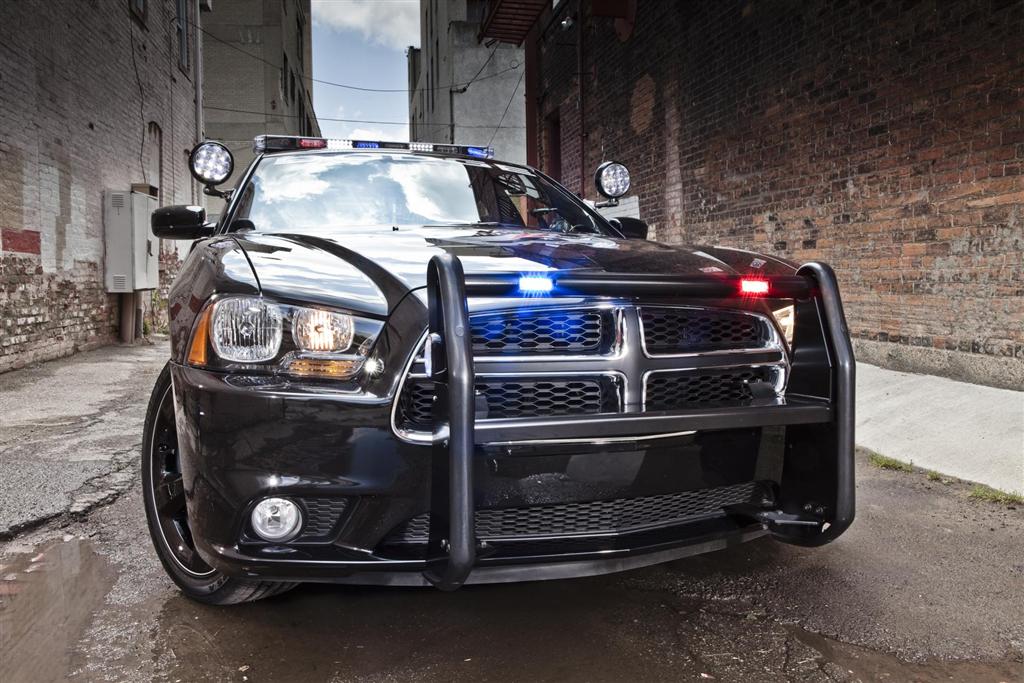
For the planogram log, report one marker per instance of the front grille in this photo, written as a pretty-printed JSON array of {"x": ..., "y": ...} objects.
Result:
[
  {"x": 541, "y": 332},
  {"x": 689, "y": 330},
  {"x": 321, "y": 518},
  {"x": 516, "y": 398},
  {"x": 541, "y": 362},
  {"x": 618, "y": 515},
  {"x": 685, "y": 389}
]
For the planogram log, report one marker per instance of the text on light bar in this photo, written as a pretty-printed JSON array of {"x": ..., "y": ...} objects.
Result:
[{"x": 752, "y": 287}]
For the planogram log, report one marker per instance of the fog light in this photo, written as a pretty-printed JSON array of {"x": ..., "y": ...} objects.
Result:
[{"x": 276, "y": 519}]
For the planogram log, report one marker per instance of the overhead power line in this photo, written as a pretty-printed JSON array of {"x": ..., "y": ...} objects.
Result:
[
  {"x": 358, "y": 88},
  {"x": 383, "y": 123},
  {"x": 505, "y": 113}
]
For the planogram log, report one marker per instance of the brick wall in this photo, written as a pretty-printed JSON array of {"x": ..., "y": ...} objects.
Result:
[
  {"x": 73, "y": 123},
  {"x": 886, "y": 138}
]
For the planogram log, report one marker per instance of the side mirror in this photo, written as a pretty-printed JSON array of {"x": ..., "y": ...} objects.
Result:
[
  {"x": 181, "y": 222},
  {"x": 632, "y": 228}
]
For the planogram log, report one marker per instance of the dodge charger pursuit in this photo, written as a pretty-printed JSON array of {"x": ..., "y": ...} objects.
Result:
[{"x": 412, "y": 364}]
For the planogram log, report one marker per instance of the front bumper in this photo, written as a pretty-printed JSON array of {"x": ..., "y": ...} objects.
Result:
[{"x": 243, "y": 441}]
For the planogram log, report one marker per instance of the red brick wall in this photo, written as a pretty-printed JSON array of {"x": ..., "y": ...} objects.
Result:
[
  {"x": 886, "y": 138},
  {"x": 72, "y": 124}
]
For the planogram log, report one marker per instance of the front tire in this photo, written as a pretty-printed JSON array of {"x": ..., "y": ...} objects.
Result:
[{"x": 167, "y": 516}]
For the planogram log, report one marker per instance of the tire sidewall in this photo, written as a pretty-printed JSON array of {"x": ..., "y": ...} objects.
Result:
[{"x": 196, "y": 586}]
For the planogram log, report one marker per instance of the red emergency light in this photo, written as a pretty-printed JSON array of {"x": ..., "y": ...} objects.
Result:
[{"x": 753, "y": 287}]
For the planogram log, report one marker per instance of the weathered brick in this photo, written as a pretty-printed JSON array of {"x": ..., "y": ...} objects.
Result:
[
  {"x": 884, "y": 138},
  {"x": 73, "y": 124}
]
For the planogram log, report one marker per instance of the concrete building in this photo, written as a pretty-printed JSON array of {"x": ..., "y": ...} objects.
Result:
[
  {"x": 96, "y": 96},
  {"x": 885, "y": 138},
  {"x": 258, "y": 70},
  {"x": 463, "y": 90}
]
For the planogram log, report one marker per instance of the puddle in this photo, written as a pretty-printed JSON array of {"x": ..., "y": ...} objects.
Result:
[
  {"x": 46, "y": 600},
  {"x": 864, "y": 664}
]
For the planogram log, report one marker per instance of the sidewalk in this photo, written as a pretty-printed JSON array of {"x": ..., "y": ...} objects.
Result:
[
  {"x": 962, "y": 430},
  {"x": 70, "y": 431}
]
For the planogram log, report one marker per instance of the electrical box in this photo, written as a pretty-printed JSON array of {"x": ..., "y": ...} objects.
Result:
[{"x": 133, "y": 253}]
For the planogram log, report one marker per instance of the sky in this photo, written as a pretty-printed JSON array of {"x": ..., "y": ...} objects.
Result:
[{"x": 363, "y": 43}]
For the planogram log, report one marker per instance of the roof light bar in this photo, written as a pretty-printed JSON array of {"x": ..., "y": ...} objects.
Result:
[{"x": 267, "y": 144}]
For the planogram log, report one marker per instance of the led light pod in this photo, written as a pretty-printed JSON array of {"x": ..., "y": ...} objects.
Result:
[
  {"x": 612, "y": 179},
  {"x": 211, "y": 163}
]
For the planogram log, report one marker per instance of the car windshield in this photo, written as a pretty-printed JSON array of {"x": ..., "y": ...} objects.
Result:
[{"x": 324, "y": 192}]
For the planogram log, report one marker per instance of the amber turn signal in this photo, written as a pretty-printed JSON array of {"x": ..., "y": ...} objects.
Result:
[{"x": 200, "y": 338}]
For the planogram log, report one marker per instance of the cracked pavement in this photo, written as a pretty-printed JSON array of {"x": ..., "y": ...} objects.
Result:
[
  {"x": 70, "y": 432},
  {"x": 928, "y": 584}
]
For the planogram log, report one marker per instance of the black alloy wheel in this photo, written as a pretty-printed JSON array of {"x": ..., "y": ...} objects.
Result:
[{"x": 167, "y": 513}]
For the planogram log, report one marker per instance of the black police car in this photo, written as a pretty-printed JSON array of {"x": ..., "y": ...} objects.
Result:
[{"x": 411, "y": 364}]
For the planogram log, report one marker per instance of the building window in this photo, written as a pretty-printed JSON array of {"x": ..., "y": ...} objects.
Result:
[
  {"x": 182, "y": 30},
  {"x": 300, "y": 41},
  {"x": 291, "y": 87},
  {"x": 138, "y": 8}
]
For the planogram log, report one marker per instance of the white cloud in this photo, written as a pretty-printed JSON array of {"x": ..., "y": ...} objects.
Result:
[
  {"x": 399, "y": 133},
  {"x": 391, "y": 23}
]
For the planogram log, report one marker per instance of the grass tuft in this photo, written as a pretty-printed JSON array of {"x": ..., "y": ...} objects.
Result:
[
  {"x": 934, "y": 476},
  {"x": 991, "y": 495},
  {"x": 886, "y": 463}
]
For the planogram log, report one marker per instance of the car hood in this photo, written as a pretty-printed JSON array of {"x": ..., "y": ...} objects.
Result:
[{"x": 371, "y": 270}]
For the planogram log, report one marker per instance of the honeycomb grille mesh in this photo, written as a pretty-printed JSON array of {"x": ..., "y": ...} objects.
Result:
[
  {"x": 675, "y": 390},
  {"x": 596, "y": 517},
  {"x": 686, "y": 330},
  {"x": 322, "y": 515},
  {"x": 538, "y": 332},
  {"x": 517, "y": 398}
]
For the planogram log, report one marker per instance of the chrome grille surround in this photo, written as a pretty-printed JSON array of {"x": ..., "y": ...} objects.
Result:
[{"x": 622, "y": 359}]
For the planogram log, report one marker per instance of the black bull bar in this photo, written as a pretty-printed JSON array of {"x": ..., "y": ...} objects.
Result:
[{"x": 819, "y": 460}]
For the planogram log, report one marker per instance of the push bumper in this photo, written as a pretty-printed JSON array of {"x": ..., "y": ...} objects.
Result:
[{"x": 829, "y": 418}]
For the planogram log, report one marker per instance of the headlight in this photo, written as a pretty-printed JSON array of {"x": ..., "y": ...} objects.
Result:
[
  {"x": 786, "y": 318},
  {"x": 253, "y": 335},
  {"x": 246, "y": 330},
  {"x": 316, "y": 330}
]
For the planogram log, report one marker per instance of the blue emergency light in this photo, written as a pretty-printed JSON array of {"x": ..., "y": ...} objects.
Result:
[{"x": 535, "y": 284}]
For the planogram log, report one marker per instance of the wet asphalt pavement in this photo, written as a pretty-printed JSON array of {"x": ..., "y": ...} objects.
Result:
[{"x": 927, "y": 585}]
